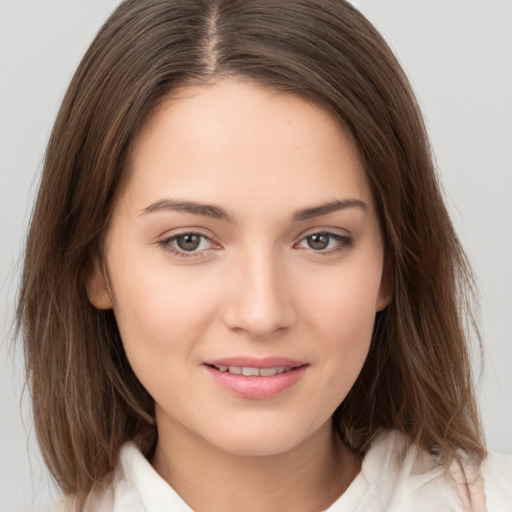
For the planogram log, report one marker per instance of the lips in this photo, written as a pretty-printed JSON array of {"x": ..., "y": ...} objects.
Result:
[
  {"x": 256, "y": 378},
  {"x": 250, "y": 371}
]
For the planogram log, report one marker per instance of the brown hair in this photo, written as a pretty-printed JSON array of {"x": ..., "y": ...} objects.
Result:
[{"x": 87, "y": 401}]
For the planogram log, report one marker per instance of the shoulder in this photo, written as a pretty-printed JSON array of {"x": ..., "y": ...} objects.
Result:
[
  {"x": 134, "y": 486},
  {"x": 496, "y": 473},
  {"x": 407, "y": 478},
  {"x": 97, "y": 501}
]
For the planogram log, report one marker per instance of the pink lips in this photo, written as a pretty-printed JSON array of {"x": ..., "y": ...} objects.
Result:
[{"x": 252, "y": 386}]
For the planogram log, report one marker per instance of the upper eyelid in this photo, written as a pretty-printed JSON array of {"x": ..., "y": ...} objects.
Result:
[
  {"x": 326, "y": 230},
  {"x": 174, "y": 233}
]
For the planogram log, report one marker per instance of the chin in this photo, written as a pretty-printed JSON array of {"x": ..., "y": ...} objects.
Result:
[
  {"x": 258, "y": 445},
  {"x": 259, "y": 441}
]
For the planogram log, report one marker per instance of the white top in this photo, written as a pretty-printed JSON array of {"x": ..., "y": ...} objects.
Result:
[{"x": 394, "y": 477}]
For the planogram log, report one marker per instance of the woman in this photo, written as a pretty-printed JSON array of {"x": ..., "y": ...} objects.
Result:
[{"x": 248, "y": 293}]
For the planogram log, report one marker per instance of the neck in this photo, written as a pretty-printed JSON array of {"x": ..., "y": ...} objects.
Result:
[{"x": 307, "y": 478}]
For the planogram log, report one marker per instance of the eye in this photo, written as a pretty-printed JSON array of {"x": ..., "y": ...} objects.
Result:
[
  {"x": 324, "y": 241},
  {"x": 188, "y": 241},
  {"x": 187, "y": 244}
]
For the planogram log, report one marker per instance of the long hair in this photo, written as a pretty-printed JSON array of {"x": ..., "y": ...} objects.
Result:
[{"x": 87, "y": 401}]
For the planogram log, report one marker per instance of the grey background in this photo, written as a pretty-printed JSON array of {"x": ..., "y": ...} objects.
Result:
[{"x": 458, "y": 55}]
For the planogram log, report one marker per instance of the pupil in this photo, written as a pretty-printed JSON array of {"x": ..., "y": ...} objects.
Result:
[
  {"x": 188, "y": 242},
  {"x": 318, "y": 241}
]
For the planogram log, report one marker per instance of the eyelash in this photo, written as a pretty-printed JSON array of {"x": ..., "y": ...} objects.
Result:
[
  {"x": 344, "y": 243},
  {"x": 166, "y": 244}
]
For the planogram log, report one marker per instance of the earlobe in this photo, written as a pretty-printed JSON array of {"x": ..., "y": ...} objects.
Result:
[
  {"x": 386, "y": 289},
  {"x": 384, "y": 297},
  {"x": 97, "y": 287}
]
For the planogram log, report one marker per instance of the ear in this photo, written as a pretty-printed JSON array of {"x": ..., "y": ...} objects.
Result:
[
  {"x": 386, "y": 287},
  {"x": 96, "y": 285}
]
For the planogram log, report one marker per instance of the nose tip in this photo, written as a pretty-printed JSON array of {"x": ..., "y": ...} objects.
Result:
[{"x": 260, "y": 304}]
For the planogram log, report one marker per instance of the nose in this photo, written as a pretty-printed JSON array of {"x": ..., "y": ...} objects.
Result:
[{"x": 260, "y": 302}]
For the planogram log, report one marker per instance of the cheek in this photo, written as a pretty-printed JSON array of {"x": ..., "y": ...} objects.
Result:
[
  {"x": 347, "y": 341},
  {"x": 345, "y": 300},
  {"x": 342, "y": 314},
  {"x": 160, "y": 315},
  {"x": 347, "y": 345}
]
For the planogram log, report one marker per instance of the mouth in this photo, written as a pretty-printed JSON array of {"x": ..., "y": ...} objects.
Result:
[
  {"x": 256, "y": 378},
  {"x": 251, "y": 371}
]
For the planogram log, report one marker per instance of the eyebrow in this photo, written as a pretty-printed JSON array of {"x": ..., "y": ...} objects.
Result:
[
  {"x": 216, "y": 212},
  {"x": 206, "y": 210},
  {"x": 329, "y": 207}
]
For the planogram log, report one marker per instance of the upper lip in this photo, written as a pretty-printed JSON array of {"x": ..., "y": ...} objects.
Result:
[{"x": 253, "y": 362}]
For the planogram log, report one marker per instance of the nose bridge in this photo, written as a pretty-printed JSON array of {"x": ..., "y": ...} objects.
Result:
[{"x": 260, "y": 303}]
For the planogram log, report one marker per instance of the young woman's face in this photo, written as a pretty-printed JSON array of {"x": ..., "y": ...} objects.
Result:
[{"x": 245, "y": 266}]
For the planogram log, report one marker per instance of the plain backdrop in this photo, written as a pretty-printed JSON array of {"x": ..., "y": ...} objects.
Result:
[{"x": 458, "y": 55}]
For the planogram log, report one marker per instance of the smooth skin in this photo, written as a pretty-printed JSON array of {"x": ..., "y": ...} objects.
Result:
[{"x": 217, "y": 249}]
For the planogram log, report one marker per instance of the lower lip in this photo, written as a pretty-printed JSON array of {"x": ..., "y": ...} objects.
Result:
[{"x": 257, "y": 387}]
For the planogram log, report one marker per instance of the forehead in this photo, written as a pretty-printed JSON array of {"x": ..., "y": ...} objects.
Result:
[{"x": 233, "y": 138}]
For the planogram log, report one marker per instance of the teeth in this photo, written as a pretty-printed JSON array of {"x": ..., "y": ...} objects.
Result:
[
  {"x": 248, "y": 372},
  {"x": 254, "y": 372}
]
